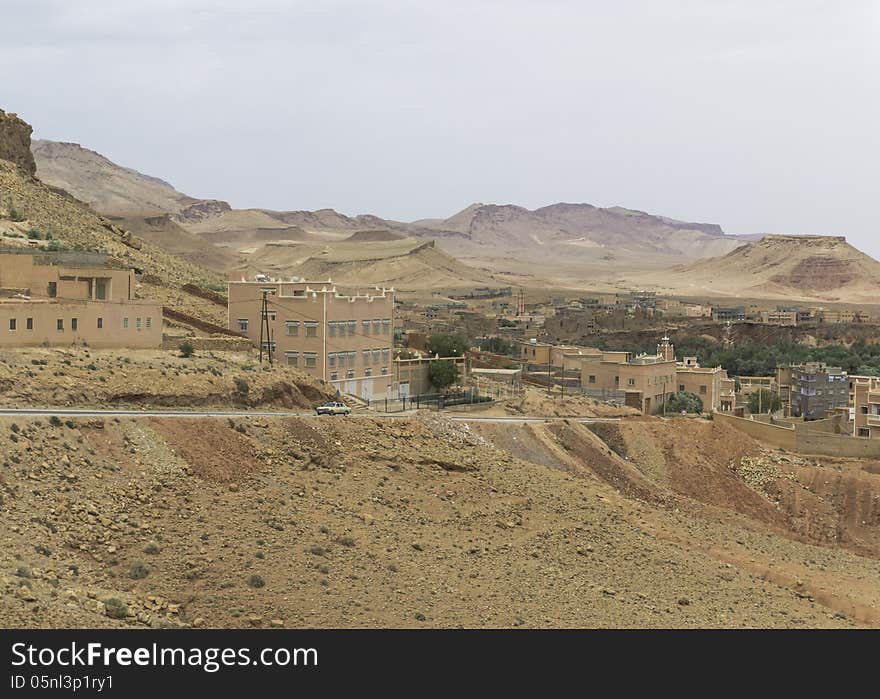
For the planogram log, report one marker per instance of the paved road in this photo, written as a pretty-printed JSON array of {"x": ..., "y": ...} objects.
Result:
[{"x": 88, "y": 412}]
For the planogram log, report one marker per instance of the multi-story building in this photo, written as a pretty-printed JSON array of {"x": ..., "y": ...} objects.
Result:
[
  {"x": 344, "y": 340},
  {"x": 732, "y": 313},
  {"x": 644, "y": 382},
  {"x": 64, "y": 298},
  {"x": 866, "y": 404},
  {"x": 817, "y": 390},
  {"x": 706, "y": 382}
]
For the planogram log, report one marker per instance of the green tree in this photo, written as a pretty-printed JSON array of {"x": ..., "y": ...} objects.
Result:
[
  {"x": 442, "y": 374},
  {"x": 186, "y": 349},
  {"x": 447, "y": 345},
  {"x": 497, "y": 345},
  {"x": 683, "y": 401},
  {"x": 764, "y": 401}
]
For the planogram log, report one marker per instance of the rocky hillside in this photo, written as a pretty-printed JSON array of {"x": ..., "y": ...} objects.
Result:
[
  {"x": 783, "y": 266},
  {"x": 101, "y": 183},
  {"x": 15, "y": 139}
]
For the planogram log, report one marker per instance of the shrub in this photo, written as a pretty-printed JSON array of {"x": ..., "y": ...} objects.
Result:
[
  {"x": 115, "y": 608},
  {"x": 256, "y": 581},
  {"x": 345, "y": 541},
  {"x": 34, "y": 234},
  {"x": 242, "y": 386},
  {"x": 16, "y": 215},
  {"x": 55, "y": 421},
  {"x": 138, "y": 570},
  {"x": 152, "y": 548},
  {"x": 186, "y": 349},
  {"x": 683, "y": 401}
]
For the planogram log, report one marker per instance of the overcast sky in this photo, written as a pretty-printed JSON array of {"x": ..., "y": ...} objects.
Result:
[{"x": 759, "y": 115}]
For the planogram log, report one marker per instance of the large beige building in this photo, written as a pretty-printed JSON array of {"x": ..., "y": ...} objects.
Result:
[
  {"x": 866, "y": 401},
  {"x": 344, "y": 340},
  {"x": 58, "y": 298},
  {"x": 646, "y": 382}
]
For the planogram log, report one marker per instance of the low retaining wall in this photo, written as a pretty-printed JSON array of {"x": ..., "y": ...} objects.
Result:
[
  {"x": 217, "y": 344},
  {"x": 802, "y": 439}
]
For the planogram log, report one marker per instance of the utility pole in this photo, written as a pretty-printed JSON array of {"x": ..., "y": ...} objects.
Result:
[{"x": 265, "y": 330}]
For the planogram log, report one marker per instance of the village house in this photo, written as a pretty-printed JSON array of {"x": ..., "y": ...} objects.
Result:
[
  {"x": 64, "y": 298},
  {"x": 344, "y": 340},
  {"x": 866, "y": 404}
]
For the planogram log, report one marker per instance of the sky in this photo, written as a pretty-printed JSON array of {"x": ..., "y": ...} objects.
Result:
[{"x": 759, "y": 115}]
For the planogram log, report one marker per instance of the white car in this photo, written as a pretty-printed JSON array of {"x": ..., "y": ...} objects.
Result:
[{"x": 333, "y": 408}]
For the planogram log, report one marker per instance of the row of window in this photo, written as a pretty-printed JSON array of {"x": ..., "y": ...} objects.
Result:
[
  {"x": 335, "y": 328},
  {"x": 74, "y": 323}
]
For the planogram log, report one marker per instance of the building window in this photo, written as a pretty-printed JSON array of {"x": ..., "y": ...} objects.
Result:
[
  {"x": 29, "y": 324},
  {"x": 149, "y": 322},
  {"x": 60, "y": 324},
  {"x": 268, "y": 346},
  {"x": 137, "y": 323},
  {"x": 311, "y": 329},
  {"x": 386, "y": 326},
  {"x": 334, "y": 376},
  {"x": 331, "y": 328},
  {"x": 271, "y": 315},
  {"x": 331, "y": 359},
  {"x": 292, "y": 328},
  {"x": 352, "y": 328},
  {"x": 100, "y": 323},
  {"x": 386, "y": 355},
  {"x": 292, "y": 358},
  {"x": 368, "y": 372},
  {"x": 53, "y": 289},
  {"x": 377, "y": 326},
  {"x": 864, "y": 410},
  {"x": 376, "y": 353},
  {"x": 125, "y": 323},
  {"x": 384, "y": 371},
  {"x": 365, "y": 356},
  {"x": 74, "y": 324},
  {"x": 631, "y": 382},
  {"x": 12, "y": 323},
  {"x": 366, "y": 326},
  {"x": 101, "y": 290},
  {"x": 864, "y": 432},
  {"x": 681, "y": 387},
  {"x": 349, "y": 374},
  {"x": 591, "y": 379},
  {"x": 702, "y": 390},
  {"x": 311, "y": 360},
  {"x": 352, "y": 357},
  {"x": 242, "y": 325}
]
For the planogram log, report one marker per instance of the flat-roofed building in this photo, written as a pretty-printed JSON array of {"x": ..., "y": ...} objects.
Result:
[
  {"x": 64, "y": 298},
  {"x": 866, "y": 404},
  {"x": 344, "y": 340}
]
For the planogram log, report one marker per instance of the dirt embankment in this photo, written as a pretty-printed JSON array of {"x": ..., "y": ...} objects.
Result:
[
  {"x": 82, "y": 377},
  {"x": 351, "y": 522}
]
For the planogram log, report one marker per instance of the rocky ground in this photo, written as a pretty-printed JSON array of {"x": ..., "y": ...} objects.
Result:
[
  {"x": 84, "y": 377},
  {"x": 369, "y": 522}
]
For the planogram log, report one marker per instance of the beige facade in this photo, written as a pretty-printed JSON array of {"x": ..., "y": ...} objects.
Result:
[
  {"x": 866, "y": 400},
  {"x": 707, "y": 383},
  {"x": 647, "y": 381},
  {"x": 72, "y": 298},
  {"x": 345, "y": 340}
]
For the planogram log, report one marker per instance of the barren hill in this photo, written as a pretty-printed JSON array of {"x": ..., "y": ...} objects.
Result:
[
  {"x": 582, "y": 230},
  {"x": 406, "y": 264},
  {"x": 784, "y": 266},
  {"x": 101, "y": 183}
]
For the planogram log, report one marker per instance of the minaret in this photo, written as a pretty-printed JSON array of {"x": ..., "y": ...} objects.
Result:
[{"x": 666, "y": 350}]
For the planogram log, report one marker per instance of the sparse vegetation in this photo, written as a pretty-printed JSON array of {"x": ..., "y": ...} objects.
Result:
[
  {"x": 256, "y": 581},
  {"x": 186, "y": 349},
  {"x": 138, "y": 570},
  {"x": 115, "y": 608}
]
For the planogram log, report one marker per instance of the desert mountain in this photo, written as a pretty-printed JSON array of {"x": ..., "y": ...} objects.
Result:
[
  {"x": 406, "y": 264},
  {"x": 781, "y": 266},
  {"x": 15, "y": 139},
  {"x": 493, "y": 234}
]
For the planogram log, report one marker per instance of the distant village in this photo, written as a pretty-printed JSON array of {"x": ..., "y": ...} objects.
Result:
[{"x": 371, "y": 346}]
